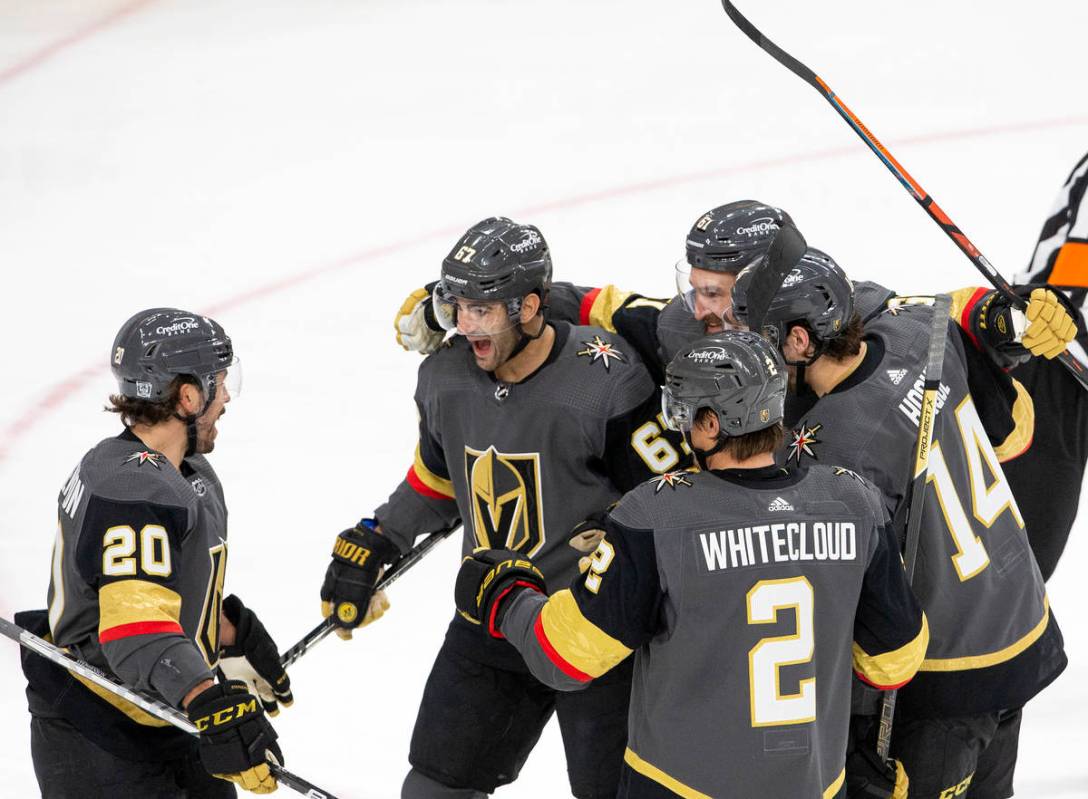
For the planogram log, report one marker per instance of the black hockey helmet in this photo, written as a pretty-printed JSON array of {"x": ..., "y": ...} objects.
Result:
[
  {"x": 739, "y": 374},
  {"x": 497, "y": 259},
  {"x": 729, "y": 237},
  {"x": 157, "y": 345},
  {"x": 816, "y": 292}
]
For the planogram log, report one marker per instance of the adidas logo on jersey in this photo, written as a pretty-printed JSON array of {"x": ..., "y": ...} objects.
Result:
[
  {"x": 779, "y": 504},
  {"x": 897, "y": 375}
]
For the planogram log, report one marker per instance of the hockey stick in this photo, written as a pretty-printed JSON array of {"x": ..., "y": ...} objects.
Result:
[
  {"x": 916, "y": 191},
  {"x": 154, "y": 707},
  {"x": 328, "y": 624},
  {"x": 915, "y": 498}
]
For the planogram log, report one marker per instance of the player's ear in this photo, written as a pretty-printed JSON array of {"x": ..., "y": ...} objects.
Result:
[
  {"x": 798, "y": 343},
  {"x": 529, "y": 307},
  {"x": 190, "y": 399}
]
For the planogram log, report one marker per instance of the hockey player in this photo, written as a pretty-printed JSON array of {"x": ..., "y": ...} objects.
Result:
[
  {"x": 1047, "y": 478},
  {"x": 137, "y": 591},
  {"x": 745, "y": 590},
  {"x": 994, "y": 642},
  {"x": 526, "y": 429}
]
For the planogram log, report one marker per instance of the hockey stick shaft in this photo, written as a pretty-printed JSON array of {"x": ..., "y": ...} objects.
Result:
[
  {"x": 916, "y": 493},
  {"x": 392, "y": 574},
  {"x": 157, "y": 709},
  {"x": 921, "y": 196}
]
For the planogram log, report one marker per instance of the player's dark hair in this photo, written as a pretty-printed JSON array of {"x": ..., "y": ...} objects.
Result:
[
  {"x": 741, "y": 448},
  {"x": 846, "y": 344},
  {"x": 144, "y": 412}
]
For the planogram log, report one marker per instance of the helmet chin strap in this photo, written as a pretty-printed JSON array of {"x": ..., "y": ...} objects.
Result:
[
  {"x": 703, "y": 456},
  {"x": 525, "y": 339},
  {"x": 190, "y": 422}
]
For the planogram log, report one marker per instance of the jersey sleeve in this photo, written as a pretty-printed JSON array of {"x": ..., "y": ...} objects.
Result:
[
  {"x": 424, "y": 502},
  {"x": 581, "y": 632},
  {"x": 131, "y": 554},
  {"x": 890, "y": 630}
]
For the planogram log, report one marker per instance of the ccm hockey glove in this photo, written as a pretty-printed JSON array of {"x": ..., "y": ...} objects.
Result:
[
  {"x": 253, "y": 658},
  {"x": 488, "y": 577},
  {"x": 416, "y": 326},
  {"x": 358, "y": 557},
  {"x": 235, "y": 737},
  {"x": 1044, "y": 328}
]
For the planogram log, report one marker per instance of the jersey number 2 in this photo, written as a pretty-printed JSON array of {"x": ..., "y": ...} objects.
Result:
[{"x": 769, "y": 706}]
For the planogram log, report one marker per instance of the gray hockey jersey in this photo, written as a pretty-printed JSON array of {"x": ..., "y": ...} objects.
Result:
[
  {"x": 746, "y": 595},
  {"x": 521, "y": 464},
  {"x": 138, "y": 569},
  {"x": 994, "y": 643}
]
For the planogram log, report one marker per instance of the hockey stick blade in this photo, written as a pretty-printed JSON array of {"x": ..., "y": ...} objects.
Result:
[
  {"x": 785, "y": 251},
  {"x": 921, "y": 196},
  {"x": 915, "y": 498},
  {"x": 158, "y": 709},
  {"x": 392, "y": 574}
]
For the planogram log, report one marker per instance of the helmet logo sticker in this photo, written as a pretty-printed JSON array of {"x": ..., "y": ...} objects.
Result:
[
  {"x": 792, "y": 279},
  {"x": 464, "y": 255},
  {"x": 707, "y": 355},
  {"x": 143, "y": 389},
  {"x": 672, "y": 480},
  {"x": 118, "y": 355},
  {"x": 704, "y": 222},
  {"x": 532, "y": 238},
  {"x": 144, "y": 457},
  {"x": 804, "y": 438},
  {"x": 181, "y": 325},
  {"x": 765, "y": 415},
  {"x": 601, "y": 350},
  {"x": 764, "y": 225}
]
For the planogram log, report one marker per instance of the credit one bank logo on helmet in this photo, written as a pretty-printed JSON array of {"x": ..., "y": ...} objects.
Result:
[
  {"x": 184, "y": 324},
  {"x": 758, "y": 227},
  {"x": 531, "y": 240},
  {"x": 707, "y": 355}
]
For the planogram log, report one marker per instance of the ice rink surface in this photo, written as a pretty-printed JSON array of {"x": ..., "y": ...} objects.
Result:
[{"x": 296, "y": 168}]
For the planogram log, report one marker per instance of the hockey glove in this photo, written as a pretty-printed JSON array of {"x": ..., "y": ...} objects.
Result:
[
  {"x": 253, "y": 658},
  {"x": 1044, "y": 328},
  {"x": 358, "y": 557},
  {"x": 487, "y": 578},
  {"x": 416, "y": 326},
  {"x": 236, "y": 739}
]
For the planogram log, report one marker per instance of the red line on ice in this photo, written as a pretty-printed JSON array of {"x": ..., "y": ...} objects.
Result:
[{"x": 57, "y": 395}]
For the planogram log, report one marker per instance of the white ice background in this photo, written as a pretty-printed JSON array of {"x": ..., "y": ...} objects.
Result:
[{"x": 298, "y": 167}]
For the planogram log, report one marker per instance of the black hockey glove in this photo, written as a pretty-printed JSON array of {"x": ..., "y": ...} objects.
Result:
[
  {"x": 417, "y": 328},
  {"x": 358, "y": 557},
  {"x": 235, "y": 737},
  {"x": 487, "y": 578},
  {"x": 1043, "y": 329},
  {"x": 253, "y": 658}
]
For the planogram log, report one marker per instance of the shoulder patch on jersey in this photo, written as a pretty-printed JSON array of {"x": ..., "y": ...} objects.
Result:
[
  {"x": 681, "y": 477},
  {"x": 154, "y": 458},
  {"x": 600, "y": 350},
  {"x": 804, "y": 439},
  {"x": 842, "y": 471}
]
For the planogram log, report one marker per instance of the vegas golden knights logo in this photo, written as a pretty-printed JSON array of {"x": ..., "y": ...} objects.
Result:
[{"x": 506, "y": 502}]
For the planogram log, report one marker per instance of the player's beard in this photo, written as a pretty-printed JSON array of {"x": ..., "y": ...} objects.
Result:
[
  {"x": 493, "y": 351},
  {"x": 206, "y": 432}
]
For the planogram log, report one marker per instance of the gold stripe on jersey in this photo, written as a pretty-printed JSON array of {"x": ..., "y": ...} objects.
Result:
[
  {"x": 126, "y": 707},
  {"x": 896, "y": 667},
  {"x": 133, "y": 601},
  {"x": 429, "y": 478},
  {"x": 576, "y": 639},
  {"x": 993, "y": 658},
  {"x": 1023, "y": 417},
  {"x": 834, "y": 787},
  {"x": 661, "y": 778},
  {"x": 608, "y": 300}
]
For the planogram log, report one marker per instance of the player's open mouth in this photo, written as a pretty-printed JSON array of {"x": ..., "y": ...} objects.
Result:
[{"x": 481, "y": 347}]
